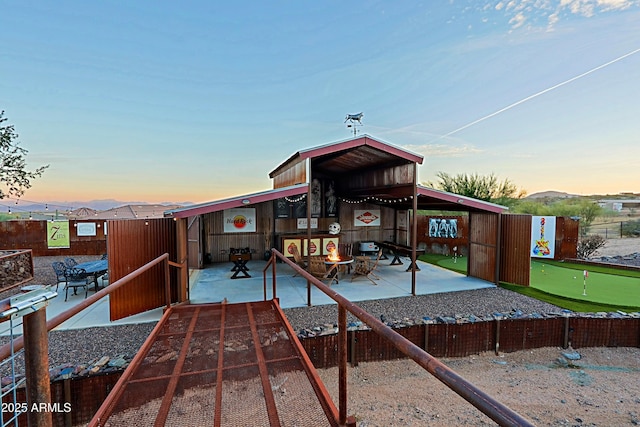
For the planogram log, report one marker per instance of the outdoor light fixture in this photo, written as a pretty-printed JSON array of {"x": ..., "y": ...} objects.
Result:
[
  {"x": 460, "y": 201},
  {"x": 246, "y": 201}
]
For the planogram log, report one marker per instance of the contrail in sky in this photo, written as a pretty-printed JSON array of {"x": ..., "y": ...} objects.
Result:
[{"x": 508, "y": 107}]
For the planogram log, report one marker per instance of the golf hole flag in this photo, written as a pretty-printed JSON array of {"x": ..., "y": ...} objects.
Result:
[{"x": 585, "y": 274}]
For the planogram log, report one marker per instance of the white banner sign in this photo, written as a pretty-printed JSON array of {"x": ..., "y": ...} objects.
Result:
[
  {"x": 241, "y": 220},
  {"x": 543, "y": 236},
  {"x": 86, "y": 228},
  {"x": 302, "y": 223}
]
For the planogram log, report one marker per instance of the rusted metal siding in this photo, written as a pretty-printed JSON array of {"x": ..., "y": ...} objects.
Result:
[
  {"x": 566, "y": 238},
  {"x": 295, "y": 173},
  {"x": 33, "y": 235},
  {"x": 483, "y": 248},
  {"x": 131, "y": 244},
  {"x": 515, "y": 254}
]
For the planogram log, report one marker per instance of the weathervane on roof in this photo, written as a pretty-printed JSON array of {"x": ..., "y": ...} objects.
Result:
[{"x": 354, "y": 121}]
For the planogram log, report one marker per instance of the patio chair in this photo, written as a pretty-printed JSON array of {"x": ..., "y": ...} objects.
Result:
[
  {"x": 365, "y": 266},
  {"x": 70, "y": 262},
  {"x": 297, "y": 258},
  {"x": 76, "y": 278},
  {"x": 319, "y": 269},
  {"x": 59, "y": 268},
  {"x": 345, "y": 250}
]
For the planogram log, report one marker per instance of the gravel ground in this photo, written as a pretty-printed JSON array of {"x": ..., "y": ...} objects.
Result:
[
  {"x": 126, "y": 339},
  {"x": 602, "y": 389}
]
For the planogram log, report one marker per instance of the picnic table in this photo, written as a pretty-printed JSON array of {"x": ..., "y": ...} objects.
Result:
[{"x": 398, "y": 250}]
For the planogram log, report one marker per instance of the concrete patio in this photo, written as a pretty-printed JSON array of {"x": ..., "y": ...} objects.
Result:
[{"x": 214, "y": 284}]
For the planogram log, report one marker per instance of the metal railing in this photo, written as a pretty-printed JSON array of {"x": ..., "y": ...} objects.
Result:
[
  {"x": 489, "y": 406},
  {"x": 35, "y": 349}
]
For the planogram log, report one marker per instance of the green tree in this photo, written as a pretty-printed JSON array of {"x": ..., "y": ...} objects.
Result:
[
  {"x": 487, "y": 188},
  {"x": 14, "y": 177}
]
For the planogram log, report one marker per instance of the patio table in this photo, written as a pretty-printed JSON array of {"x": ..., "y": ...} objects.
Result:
[{"x": 95, "y": 269}]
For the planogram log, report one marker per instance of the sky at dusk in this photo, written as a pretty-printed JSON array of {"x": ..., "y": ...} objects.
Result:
[{"x": 161, "y": 101}]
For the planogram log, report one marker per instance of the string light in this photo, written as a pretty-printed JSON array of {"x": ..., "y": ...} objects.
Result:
[{"x": 296, "y": 200}]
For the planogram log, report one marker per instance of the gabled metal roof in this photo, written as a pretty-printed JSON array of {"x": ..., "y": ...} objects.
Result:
[
  {"x": 352, "y": 155},
  {"x": 237, "y": 202}
]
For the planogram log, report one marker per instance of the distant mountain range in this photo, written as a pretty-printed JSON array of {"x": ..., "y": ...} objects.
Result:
[{"x": 99, "y": 205}]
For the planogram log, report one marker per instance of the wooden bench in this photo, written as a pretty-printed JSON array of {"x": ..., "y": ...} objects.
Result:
[{"x": 400, "y": 250}]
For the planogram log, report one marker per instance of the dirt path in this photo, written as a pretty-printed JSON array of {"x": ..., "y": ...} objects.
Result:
[{"x": 600, "y": 389}]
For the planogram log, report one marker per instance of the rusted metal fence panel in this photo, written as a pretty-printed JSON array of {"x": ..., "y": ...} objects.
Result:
[
  {"x": 515, "y": 252},
  {"x": 132, "y": 244},
  {"x": 483, "y": 246},
  {"x": 464, "y": 339},
  {"x": 32, "y": 235},
  {"x": 567, "y": 232},
  {"x": 601, "y": 332},
  {"x": 16, "y": 268}
]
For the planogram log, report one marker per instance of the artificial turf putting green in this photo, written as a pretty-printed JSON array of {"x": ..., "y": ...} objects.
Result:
[{"x": 604, "y": 286}]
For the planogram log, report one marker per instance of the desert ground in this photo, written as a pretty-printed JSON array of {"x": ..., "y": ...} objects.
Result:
[{"x": 602, "y": 388}]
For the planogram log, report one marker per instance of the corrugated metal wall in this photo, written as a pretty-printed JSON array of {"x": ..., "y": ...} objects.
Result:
[
  {"x": 132, "y": 244},
  {"x": 483, "y": 247},
  {"x": 32, "y": 235},
  {"x": 515, "y": 254}
]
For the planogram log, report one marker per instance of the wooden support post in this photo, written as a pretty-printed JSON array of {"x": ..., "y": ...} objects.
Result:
[
  {"x": 565, "y": 343},
  {"x": 354, "y": 352},
  {"x": 36, "y": 360}
]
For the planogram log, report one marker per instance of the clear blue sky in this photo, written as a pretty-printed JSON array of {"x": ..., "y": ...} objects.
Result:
[{"x": 194, "y": 101}]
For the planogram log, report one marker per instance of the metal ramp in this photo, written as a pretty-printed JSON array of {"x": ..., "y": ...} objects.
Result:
[{"x": 221, "y": 365}]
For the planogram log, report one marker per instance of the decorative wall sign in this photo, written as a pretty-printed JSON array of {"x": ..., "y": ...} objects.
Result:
[
  {"x": 543, "y": 236},
  {"x": 316, "y": 198},
  {"x": 302, "y": 223},
  {"x": 444, "y": 228},
  {"x": 329, "y": 244},
  {"x": 289, "y": 245},
  {"x": 366, "y": 218},
  {"x": 330, "y": 200},
  {"x": 86, "y": 228},
  {"x": 282, "y": 208},
  {"x": 239, "y": 220},
  {"x": 58, "y": 234},
  {"x": 314, "y": 246}
]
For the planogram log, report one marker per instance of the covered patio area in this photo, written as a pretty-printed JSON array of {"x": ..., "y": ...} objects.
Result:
[{"x": 214, "y": 284}]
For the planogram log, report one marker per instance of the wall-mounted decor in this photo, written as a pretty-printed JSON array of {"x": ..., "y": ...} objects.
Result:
[
  {"x": 442, "y": 227},
  {"x": 543, "y": 236},
  {"x": 366, "y": 217},
  {"x": 282, "y": 208},
  {"x": 302, "y": 223},
  {"x": 85, "y": 228},
  {"x": 239, "y": 220},
  {"x": 58, "y": 234},
  {"x": 330, "y": 200}
]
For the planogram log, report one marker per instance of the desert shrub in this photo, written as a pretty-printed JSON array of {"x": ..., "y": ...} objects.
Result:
[
  {"x": 588, "y": 245},
  {"x": 631, "y": 228}
]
